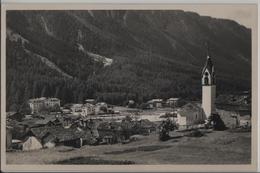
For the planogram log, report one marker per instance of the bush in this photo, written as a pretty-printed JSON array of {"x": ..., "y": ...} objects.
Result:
[{"x": 218, "y": 123}]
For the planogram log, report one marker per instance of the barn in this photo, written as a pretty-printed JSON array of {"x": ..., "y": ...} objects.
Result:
[
  {"x": 31, "y": 143},
  {"x": 57, "y": 135},
  {"x": 190, "y": 115}
]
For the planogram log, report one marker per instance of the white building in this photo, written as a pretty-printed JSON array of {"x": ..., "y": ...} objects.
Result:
[
  {"x": 172, "y": 102},
  {"x": 88, "y": 109},
  {"x": 52, "y": 102},
  {"x": 208, "y": 87},
  {"x": 76, "y": 109},
  {"x": 40, "y": 104},
  {"x": 190, "y": 115},
  {"x": 101, "y": 108},
  {"x": 30, "y": 143},
  {"x": 155, "y": 103}
]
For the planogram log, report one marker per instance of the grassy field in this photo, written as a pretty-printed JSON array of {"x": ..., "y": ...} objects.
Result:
[{"x": 218, "y": 147}]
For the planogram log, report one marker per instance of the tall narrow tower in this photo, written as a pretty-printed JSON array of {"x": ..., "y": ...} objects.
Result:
[{"x": 208, "y": 86}]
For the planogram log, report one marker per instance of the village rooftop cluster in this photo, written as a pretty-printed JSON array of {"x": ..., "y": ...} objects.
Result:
[
  {"x": 75, "y": 125},
  {"x": 97, "y": 123}
]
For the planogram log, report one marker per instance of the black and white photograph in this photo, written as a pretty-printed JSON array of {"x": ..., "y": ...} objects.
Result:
[{"x": 151, "y": 86}]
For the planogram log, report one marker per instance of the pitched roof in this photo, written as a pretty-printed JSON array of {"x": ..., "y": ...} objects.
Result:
[
  {"x": 155, "y": 101},
  {"x": 209, "y": 66},
  {"x": 43, "y": 99},
  {"x": 145, "y": 123},
  {"x": 47, "y": 120},
  {"x": 77, "y": 105},
  {"x": 37, "y": 99},
  {"x": 69, "y": 134},
  {"x": 39, "y": 132},
  {"x": 8, "y": 114},
  {"x": 88, "y": 105},
  {"x": 61, "y": 133},
  {"x": 189, "y": 108},
  {"x": 107, "y": 132},
  {"x": 53, "y": 99},
  {"x": 173, "y": 99}
]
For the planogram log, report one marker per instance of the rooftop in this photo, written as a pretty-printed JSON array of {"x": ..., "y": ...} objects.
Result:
[
  {"x": 173, "y": 99},
  {"x": 155, "y": 100},
  {"x": 37, "y": 99},
  {"x": 62, "y": 134},
  {"x": 43, "y": 99},
  {"x": 209, "y": 65},
  {"x": 189, "y": 108}
]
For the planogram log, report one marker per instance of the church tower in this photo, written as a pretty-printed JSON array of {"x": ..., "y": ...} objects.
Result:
[{"x": 208, "y": 86}]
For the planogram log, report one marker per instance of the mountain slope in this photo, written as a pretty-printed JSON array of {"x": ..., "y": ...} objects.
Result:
[{"x": 119, "y": 55}]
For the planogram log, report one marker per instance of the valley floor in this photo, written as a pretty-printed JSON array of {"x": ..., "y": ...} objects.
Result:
[{"x": 218, "y": 147}]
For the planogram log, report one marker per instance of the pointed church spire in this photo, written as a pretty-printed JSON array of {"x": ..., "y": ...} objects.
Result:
[
  {"x": 208, "y": 85},
  {"x": 209, "y": 64},
  {"x": 207, "y": 48}
]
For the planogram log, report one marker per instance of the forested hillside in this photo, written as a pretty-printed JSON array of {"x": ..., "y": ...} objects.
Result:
[{"x": 114, "y": 56}]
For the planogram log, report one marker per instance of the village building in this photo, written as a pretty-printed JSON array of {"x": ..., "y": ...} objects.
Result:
[
  {"x": 155, "y": 103},
  {"x": 131, "y": 104},
  {"x": 109, "y": 136},
  {"x": 65, "y": 111},
  {"x": 76, "y": 109},
  {"x": 101, "y": 108},
  {"x": 42, "y": 104},
  {"x": 233, "y": 119},
  {"x": 17, "y": 131},
  {"x": 245, "y": 122},
  {"x": 208, "y": 87},
  {"x": 146, "y": 126},
  {"x": 31, "y": 143},
  {"x": 48, "y": 140},
  {"x": 110, "y": 132},
  {"x": 189, "y": 116},
  {"x": 36, "y": 104},
  {"x": 169, "y": 115},
  {"x": 52, "y": 102},
  {"x": 68, "y": 119},
  {"x": 54, "y": 136},
  {"x": 88, "y": 109},
  {"x": 74, "y": 137},
  {"x": 172, "y": 102},
  {"x": 16, "y": 144},
  {"x": 45, "y": 136},
  {"x": 27, "y": 142}
]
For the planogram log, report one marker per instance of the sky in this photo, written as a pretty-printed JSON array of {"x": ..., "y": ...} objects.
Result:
[{"x": 243, "y": 14}]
